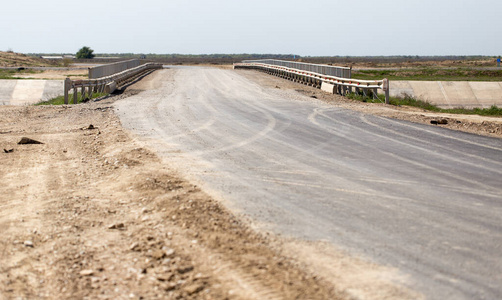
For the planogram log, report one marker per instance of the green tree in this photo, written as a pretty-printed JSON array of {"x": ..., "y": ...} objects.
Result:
[{"x": 85, "y": 52}]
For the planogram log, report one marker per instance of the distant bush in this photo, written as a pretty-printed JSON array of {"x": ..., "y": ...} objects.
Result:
[
  {"x": 85, "y": 52},
  {"x": 66, "y": 62}
]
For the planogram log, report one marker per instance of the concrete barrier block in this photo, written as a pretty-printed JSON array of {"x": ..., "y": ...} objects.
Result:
[
  {"x": 328, "y": 87},
  {"x": 111, "y": 87}
]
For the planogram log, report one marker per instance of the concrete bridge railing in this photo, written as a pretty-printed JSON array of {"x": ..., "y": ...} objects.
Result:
[
  {"x": 328, "y": 83},
  {"x": 336, "y": 71},
  {"x": 110, "y": 69},
  {"x": 106, "y": 84}
]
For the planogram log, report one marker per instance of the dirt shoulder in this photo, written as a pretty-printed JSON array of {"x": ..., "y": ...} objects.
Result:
[
  {"x": 90, "y": 214},
  {"x": 481, "y": 125}
]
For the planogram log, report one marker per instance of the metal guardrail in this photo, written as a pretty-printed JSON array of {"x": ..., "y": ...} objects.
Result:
[
  {"x": 334, "y": 84},
  {"x": 342, "y": 72},
  {"x": 107, "y": 84},
  {"x": 110, "y": 69}
]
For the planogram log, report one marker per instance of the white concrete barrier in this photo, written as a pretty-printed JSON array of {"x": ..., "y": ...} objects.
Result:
[
  {"x": 451, "y": 94},
  {"x": 341, "y": 85},
  {"x": 110, "y": 69},
  {"x": 111, "y": 87},
  {"x": 328, "y": 87},
  {"x": 6, "y": 90},
  {"x": 23, "y": 92}
]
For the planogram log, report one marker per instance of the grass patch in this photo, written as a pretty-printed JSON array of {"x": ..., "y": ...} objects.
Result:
[
  {"x": 430, "y": 74},
  {"x": 11, "y": 73},
  {"x": 76, "y": 75},
  {"x": 10, "y": 77},
  {"x": 493, "y": 111},
  {"x": 60, "y": 99}
]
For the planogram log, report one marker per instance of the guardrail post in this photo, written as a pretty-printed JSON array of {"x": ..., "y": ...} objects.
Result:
[
  {"x": 67, "y": 87},
  {"x": 82, "y": 93},
  {"x": 386, "y": 88},
  {"x": 75, "y": 95}
]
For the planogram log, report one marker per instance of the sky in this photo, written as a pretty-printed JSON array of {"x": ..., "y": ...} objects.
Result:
[{"x": 306, "y": 28}]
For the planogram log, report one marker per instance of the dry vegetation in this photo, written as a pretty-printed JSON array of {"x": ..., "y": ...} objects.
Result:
[
  {"x": 405, "y": 61},
  {"x": 12, "y": 59}
]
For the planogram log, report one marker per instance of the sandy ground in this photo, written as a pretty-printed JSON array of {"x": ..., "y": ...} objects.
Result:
[{"x": 90, "y": 214}]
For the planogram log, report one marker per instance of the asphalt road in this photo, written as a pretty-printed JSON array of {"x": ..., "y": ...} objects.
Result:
[{"x": 423, "y": 199}]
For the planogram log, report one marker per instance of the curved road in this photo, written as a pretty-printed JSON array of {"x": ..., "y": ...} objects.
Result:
[{"x": 423, "y": 199}]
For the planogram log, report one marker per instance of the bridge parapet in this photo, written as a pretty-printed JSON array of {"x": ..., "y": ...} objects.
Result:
[
  {"x": 312, "y": 77},
  {"x": 336, "y": 71},
  {"x": 106, "y": 84}
]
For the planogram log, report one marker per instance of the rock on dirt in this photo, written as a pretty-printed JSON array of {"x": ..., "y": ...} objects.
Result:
[
  {"x": 27, "y": 141},
  {"x": 116, "y": 226},
  {"x": 87, "y": 272},
  {"x": 439, "y": 122}
]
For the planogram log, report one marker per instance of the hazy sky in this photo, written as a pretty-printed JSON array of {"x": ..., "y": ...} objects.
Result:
[{"x": 315, "y": 27}]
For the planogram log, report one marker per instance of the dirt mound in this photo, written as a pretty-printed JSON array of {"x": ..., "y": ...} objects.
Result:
[{"x": 12, "y": 59}]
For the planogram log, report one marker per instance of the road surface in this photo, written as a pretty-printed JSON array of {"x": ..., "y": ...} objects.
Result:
[{"x": 422, "y": 199}]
